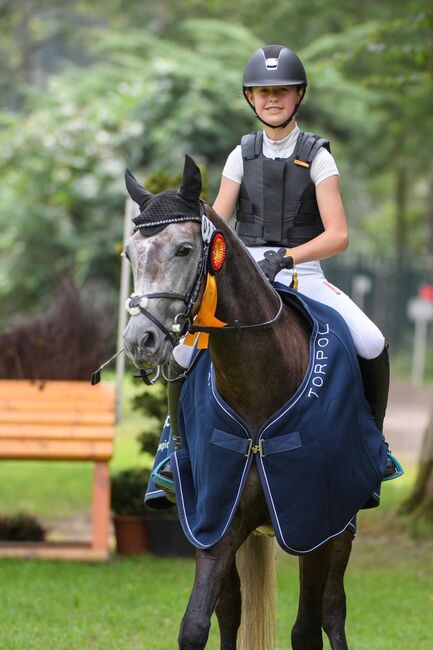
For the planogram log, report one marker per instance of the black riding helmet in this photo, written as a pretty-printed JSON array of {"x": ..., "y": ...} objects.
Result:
[{"x": 274, "y": 65}]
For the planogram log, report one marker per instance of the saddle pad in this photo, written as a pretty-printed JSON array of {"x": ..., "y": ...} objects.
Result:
[{"x": 321, "y": 458}]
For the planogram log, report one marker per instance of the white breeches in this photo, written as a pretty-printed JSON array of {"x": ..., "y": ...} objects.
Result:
[{"x": 368, "y": 339}]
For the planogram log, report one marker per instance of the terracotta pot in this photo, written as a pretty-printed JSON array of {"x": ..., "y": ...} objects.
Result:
[{"x": 131, "y": 535}]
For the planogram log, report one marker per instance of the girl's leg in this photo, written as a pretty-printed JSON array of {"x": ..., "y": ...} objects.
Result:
[
  {"x": 369, "y": 343},
  {"x": 175, "y": 374},
  {"x": 367, "y": 337},
  {"x": 179, "y": 362}
]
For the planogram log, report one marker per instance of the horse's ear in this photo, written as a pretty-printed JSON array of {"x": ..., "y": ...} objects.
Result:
[
  {"x": 136, "y": 191},
  {"x": 191, "y": 182}
]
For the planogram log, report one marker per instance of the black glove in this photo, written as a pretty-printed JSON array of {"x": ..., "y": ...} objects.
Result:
[{"x": 274, "y": 262}]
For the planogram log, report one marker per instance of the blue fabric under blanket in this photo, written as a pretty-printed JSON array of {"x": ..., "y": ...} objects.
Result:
[{"x": 322, "y": 456}]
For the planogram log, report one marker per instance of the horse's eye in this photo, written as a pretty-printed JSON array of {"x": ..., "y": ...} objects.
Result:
[{"x": 183, "y": 250}]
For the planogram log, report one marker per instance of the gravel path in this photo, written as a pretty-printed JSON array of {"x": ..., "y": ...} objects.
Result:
[{"x": 406, "y": 418}]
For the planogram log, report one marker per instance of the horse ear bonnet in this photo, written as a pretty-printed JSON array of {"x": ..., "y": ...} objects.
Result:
[
  {"x": 170, "y": 206},
  {"x": 136, "y": 191},
  {"x": 191, "y": 184}
]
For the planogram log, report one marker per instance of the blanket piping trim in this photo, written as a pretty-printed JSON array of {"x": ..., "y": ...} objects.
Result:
[
  {"x": 284, "y": 409},
  {"x": 189, "y": 532},
  {"x": 302, "y": 388},
  {"x": 281, "y": 536},
  {"x": 223, "y": 406},
  {"x": 269, "y": 424},
  {"x": 156, "y": 492}
]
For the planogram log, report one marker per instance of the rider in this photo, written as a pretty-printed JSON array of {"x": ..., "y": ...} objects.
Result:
[{"x": 285, "y": 186}]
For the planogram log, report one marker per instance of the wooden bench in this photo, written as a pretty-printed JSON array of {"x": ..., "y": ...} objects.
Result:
[{"x": 61, "y": 420}]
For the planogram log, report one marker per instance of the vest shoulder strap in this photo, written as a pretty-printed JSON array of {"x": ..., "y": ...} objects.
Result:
[
  {"x": 308, "y": 145},
  {"x": 251, "y": 144}
]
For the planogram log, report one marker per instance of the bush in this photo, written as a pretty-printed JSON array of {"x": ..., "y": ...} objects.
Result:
[
  {"x": 153, "y": 404},
  {"x": 21, "y": 528},
  {"x": 66, "y": 342},
  {"x": 127, "y": 491}
]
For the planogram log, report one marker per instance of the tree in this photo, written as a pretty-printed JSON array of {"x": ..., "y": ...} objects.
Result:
[
  {"x": 143, "y": 105},
  {"x": 120, "y": 96},
  {"x": 419, "y": 505}
]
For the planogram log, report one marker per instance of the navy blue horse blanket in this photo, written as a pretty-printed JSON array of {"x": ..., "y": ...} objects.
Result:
[{"x": 320, "y": 458}]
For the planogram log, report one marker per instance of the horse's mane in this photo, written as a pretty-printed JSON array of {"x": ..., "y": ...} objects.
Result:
[{"x": 236, "y": 247}]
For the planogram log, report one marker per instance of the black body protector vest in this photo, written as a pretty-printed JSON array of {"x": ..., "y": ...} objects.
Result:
[{"x": 277, "y": 201}]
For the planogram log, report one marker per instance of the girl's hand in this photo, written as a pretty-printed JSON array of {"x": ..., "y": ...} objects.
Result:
[{"x": 274, "y": 262}]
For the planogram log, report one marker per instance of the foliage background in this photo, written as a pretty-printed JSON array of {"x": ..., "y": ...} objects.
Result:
[{"x": 88, "y": 89}]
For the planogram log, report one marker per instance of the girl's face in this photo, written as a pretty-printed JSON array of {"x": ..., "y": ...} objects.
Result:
[{"x": 274, "y": 104}]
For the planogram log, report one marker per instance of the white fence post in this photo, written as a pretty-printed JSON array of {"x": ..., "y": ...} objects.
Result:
[
  {"x": 131, "y": 211},
  {"x": 421, "y": 312}
]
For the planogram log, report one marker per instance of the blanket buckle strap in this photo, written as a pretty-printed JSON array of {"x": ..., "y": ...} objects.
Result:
[{"x": 255, "y": 449}]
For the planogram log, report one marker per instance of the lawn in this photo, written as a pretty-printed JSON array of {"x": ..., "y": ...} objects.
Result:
[{"x": 138, "y": 603}]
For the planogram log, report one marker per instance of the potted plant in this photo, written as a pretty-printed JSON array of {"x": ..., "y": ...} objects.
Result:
[
  {"x": 128, "y": 510},
  {"x": 139, "y": 529},
  {"x": 166, "y": 537}
]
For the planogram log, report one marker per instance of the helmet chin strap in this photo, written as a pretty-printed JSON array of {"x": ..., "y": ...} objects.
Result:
[
  {"x": 277, "y": 126},
  {"x": 283, "y": 124}
]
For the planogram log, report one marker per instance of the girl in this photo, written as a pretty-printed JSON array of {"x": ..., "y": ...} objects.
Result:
[{"x": 285, "y": 186}]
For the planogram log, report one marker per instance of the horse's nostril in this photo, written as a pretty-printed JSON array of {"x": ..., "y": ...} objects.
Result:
[{"x": 147, "y": 340}]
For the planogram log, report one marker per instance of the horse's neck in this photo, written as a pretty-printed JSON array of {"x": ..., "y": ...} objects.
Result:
[{"x": 258, "y": 371}]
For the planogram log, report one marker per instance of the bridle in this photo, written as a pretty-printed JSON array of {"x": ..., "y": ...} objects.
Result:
[{"x": 138, "y": 304}]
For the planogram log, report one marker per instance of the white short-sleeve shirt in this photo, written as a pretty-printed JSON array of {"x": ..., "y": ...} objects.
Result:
[{"x": 323, "y": 165}]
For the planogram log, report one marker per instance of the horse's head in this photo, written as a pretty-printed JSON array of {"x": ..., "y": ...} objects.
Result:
[{"x": 166, "y": 256}]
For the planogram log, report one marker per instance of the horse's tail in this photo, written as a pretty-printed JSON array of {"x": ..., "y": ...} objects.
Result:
[{"x": 256, "y": 563}]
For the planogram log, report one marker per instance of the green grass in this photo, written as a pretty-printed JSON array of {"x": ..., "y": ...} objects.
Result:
[{"x": 138, "y": 603}]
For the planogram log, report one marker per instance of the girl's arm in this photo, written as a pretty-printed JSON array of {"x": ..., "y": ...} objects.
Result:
[
  {"x": 227, "y": 198},
  {"x": 335, "y": 239}
]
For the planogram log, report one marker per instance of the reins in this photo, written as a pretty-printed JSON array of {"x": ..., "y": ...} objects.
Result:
[{"x": 238, "y": 327}]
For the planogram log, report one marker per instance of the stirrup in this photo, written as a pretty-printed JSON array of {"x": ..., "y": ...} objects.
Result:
[
  {"x": 161, "y": 481},
  {"x": 398, "y": 469}
]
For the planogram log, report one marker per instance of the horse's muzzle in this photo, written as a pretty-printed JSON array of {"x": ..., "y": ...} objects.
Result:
[{"x": 144, "y": 344}]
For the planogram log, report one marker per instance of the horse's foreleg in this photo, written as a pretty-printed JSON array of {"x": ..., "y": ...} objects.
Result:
[
  {"x": 334, "y": 601},
  {"x": 228, "y": 609},
  {"x": 313, "y": 572},
  {"x": 212, "y": 567},
  {"x": 194, "y": 629}
]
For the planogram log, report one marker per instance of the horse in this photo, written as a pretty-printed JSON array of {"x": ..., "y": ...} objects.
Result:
[{"x": 257, "y": 369}]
